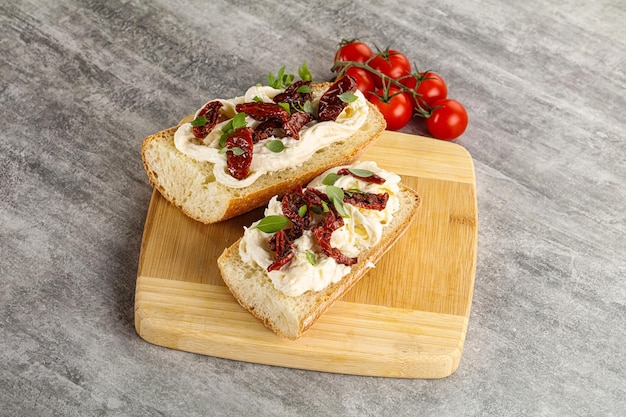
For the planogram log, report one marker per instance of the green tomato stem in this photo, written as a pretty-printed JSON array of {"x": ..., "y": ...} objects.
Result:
[{"x": 343, "y": 66}]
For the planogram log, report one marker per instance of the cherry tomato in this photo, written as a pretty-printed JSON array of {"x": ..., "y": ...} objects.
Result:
[
  {"x": 391, "y": 63},
  {"x": 353, "y": 51},
  {"x": 397, "y": 110},
  {"x": 448, "y": 120},
  {"x": 364, "y": 80},
  {"x": 431, "y": 87}
]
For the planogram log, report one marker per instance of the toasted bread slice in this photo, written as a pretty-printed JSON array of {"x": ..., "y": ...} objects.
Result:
[
  {"x": 290, "y": 316},
  {"x": 191, "y": 185}
]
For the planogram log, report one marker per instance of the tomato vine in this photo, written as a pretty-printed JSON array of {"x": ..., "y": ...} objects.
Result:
[{"x": 387, "y": 74}]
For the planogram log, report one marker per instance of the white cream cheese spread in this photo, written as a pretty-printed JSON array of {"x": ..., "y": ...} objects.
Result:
[
  {"x": 361, "y": 230},
  {"x": 313, "y": 136}
]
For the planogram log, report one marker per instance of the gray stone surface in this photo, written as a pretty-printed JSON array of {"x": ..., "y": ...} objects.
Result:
[{"x": 83, "y": 82}]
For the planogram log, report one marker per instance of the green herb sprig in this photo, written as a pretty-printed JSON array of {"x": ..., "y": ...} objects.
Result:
[
  {"x": 280, "y": 80},
  {"x": 233, "y": 124},
  {"x": 283, "y": 80}
]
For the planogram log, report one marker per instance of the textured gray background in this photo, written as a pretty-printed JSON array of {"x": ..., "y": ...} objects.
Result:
[{"x": 83, "y": 82}]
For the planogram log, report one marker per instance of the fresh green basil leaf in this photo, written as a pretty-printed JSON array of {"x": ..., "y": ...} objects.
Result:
[
  {"x": 302, "y": 210},
  {"x": 239, "y": 121},
  {"x": 341, "y": 209},
  {"x": 325, "y": 207},
  {"x": 227, "y": 130},
  {"x": 222, "y": 150},
  {"x": 275, "y": 145},
  {"x": 335, "y": 195},
  {"x": 304, "y": 89},
  {"x": 310, "y": 256},
  {"x": 285, "y": 106},
  {"x": 223, "y": 138},
  {"x": 316, "y": 209},
  {"x": 228, "y": 127},
  {"x": 309, "y": 107},
  {"x": 257, "y": 99},
  {"x": 237, "y": 151},
  {"x": 361, "y": 172},
  {"x": 272, "y": 223},
  {"x": 199, "y": 121},
  {"x": 348, "y": 97},
  {"x": 330, "y": 179}
]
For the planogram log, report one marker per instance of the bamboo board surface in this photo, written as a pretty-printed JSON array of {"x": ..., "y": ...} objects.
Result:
[{"x": 407, "y": 318}]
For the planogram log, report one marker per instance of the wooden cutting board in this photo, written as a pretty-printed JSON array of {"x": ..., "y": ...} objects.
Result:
[{"x": 407, "y": 318}]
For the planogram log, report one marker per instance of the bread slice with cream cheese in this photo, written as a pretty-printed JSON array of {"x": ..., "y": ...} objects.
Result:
[
  {"x": 290, "y": 316},
  {"x": 191, "y": 184}
]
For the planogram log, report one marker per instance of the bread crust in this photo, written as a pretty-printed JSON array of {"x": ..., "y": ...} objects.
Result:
[
  {"x": 186, "y": 182},
  {"x": 318, "y": 302}
]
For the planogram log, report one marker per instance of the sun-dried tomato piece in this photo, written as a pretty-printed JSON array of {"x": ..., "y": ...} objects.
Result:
[
  {"x": 291, "y": 203},
  {"x": 333, "y": 220},
  {"x": 293, "y": 97},
  {"x": 284, "y": 248},
  {"x": 239, "y": 153},
  {"x": 375, "y": 179},
  {"x": 291, "y": 234},
  {"x": 211, "y": 111},
  {"x": 296, "y": 122},
  {"x": 367, "y": 200},
  {"x": 294, "y": 233},
  {"x": 314, "y": 197},
  {"x": 316, "y": 200},
  {"x": 323, "y": 232},
  {"x": 265, "y": 130},
  {"x": 262, "y": 111},
  {"x": 331, "y": 106}
]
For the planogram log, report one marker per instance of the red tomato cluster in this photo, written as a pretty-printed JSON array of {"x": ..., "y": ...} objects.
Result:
[{"x": 387, "y": 80}]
